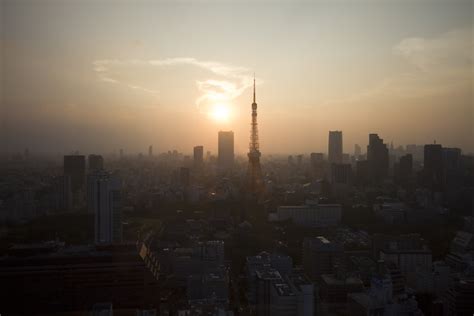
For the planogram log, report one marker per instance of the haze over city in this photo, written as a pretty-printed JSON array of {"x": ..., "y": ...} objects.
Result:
[
  {"x": 236, "y": 158},
  {"x": 100, "y": 76}
]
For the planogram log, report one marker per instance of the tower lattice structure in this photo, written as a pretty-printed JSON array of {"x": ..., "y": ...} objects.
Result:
[{"x": 254, "y": 172}]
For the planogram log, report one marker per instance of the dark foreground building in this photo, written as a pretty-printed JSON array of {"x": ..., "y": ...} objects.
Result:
[{"x": 48, "y": 278}]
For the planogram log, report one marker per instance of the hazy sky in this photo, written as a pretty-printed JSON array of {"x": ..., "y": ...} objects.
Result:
[{"x": 97, "y": 76}]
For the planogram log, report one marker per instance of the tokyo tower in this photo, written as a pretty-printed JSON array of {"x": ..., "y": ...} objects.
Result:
[{"x": 254, "y": 173}]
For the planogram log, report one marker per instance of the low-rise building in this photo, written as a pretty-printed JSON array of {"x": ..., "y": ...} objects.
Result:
[{"x": 311, "y": 214}]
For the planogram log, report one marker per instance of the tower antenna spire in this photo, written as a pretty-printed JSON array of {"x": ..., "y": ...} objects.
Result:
[{"x": 254, "y": 87}]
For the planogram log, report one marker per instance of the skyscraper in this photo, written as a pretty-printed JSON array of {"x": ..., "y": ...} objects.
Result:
[
  {"x": 433, "y": 168},
  {"x": 198, "y": 156},
  {"x": 403, "y": 169},
  {"x": 150, "y": 151},
  {"x": 226, "y": 149},
  {"x": 104, "y": 200},
  {"x": 96, "y": 162},
  {"x": 75, "y": 168},
  {"x": 451, "y": 158},
  {"x": 254, "y": 171},
  {"x": 377, "y": 159},
  {"x": 335, "y": 147}
]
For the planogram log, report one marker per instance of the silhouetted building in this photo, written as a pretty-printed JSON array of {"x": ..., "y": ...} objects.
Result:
[
  {"x": 433, "y": 169},
  {"x": 96, "y": 162},
  {"x": 341, "y": 173},
  {"x": 104, "y": 200},
  {"x": 263, "y": 262},
  {"x": 320, "y": 256},
  {"x": 63, "y": 193},
  {"x": 452, "y": 167},
  {"x": 311, "y": 214},
  {"x": 75, "y": 168},
  {"x": 316, "y": 158},
  {"x": 341, "y": 178},
  {"x": 226, "y": 150},
  {"x": 403, "y": 170},
  {"x": 266, "y": 279},
  {"x": 452, "y": 158},
  {"x": 279, "y": 295},
  {"x": 362, "y": 172},
  {"x": 460, "y": 298},
  {"x": 335, "y": 288},
  {"x": 208, "y": 287},
  {"x": 335, "y": 147},
  {"x": 377, "y": 158},
  {"x": 48, "y": 278},
  {"x": 317, "y": 165},
  {"x": 291, "y": 160},
  {"x": 198, "y": 156},
  {"x": 150, "y": 151},
  {"x": 184, "y": 177}
]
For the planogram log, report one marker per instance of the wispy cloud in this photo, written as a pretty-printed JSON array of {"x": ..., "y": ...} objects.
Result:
[
  {"x": 225, "y": 83},
  {"x": 437, "y": 66},
  {"x": 450, "y": 51}
]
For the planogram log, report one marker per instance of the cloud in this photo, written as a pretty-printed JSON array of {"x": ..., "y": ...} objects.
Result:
[
  {"x": 230, "y": 83},
  {"x": 437, "y": 66},
  {"x": 450, "y": 51}
]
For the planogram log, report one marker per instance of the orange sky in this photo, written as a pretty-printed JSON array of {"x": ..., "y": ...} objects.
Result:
[{"x": 97, "y": 76}]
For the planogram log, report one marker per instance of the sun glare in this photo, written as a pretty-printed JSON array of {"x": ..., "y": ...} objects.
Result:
[{"x": 220, "y": 112}]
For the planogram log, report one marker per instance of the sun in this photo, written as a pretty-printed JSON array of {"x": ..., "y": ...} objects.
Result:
[{"x": 220, "y": 112}]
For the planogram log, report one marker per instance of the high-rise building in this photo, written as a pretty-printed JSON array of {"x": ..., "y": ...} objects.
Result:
[
  {"x": 96, "y": 162},
  {"x": 104, "y": 200},
  {"x": 452, "y": 161},
  {"x": 198, "y": 156},
  {"x": 452, "y": 158},
  {"x": 150, "y": 151},
  {"x": 335, "y": 147},
  {"x": 404, "y": 168},
  {"x": 75, "y": 168},
  {"x": 226, "y": 149},
  {"x": 377, "y": 159},
  {"x": 433, "y": 169},
  {"x": 254, "y": 171}
]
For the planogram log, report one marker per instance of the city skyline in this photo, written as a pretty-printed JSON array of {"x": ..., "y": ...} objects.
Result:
[
  {"x": 100, "y": 86},
  {"x": 237, "y": 158}
]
